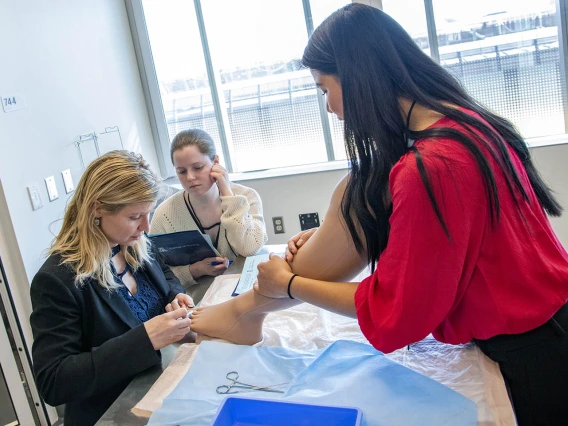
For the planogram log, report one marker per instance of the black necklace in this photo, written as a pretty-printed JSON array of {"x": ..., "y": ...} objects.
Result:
[
  {"x": 408, "y": 123},
  {"x": 198, "y": 222}
]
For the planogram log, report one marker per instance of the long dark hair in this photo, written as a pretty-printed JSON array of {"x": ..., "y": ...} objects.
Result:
[{"x": 377, "y": 63}]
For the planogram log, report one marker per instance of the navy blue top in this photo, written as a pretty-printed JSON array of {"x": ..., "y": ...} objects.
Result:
[{"x": 146, "y": 303}]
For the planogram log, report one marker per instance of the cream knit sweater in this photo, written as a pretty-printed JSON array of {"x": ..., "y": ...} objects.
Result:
[{"x": 242, "y": 230}]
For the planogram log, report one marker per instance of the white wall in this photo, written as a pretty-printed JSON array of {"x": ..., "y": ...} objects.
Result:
[
  {"x": 552, "y": 162},
  {"x": 74, "y": 62},
  {"x": 288, "y": 196},
  {"x": 308, "y": 193}
]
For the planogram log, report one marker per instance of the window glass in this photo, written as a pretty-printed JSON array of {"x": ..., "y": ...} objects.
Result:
[
  {"x": 180, "y": 67},
  {"x": 411, "y": 16},
  {"x": 321, "y": 9},
  {"x": 271, "y": 102},
  {"x": 506, "y": 55}
]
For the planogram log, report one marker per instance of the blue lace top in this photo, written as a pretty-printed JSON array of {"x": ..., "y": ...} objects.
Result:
[{"x": 146, "y": 303}]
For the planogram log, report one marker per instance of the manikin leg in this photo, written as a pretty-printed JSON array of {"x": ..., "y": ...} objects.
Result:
[{"x": 328, "y": 255}]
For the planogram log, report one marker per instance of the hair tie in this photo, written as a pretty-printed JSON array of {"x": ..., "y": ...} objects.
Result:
[{"x": 289, "y": 284}]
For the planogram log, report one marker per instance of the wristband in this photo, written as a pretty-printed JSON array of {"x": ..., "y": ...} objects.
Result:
[{"x": 289, "y": 284}]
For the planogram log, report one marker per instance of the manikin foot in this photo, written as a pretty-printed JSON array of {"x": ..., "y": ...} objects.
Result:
[{"x": 238, "y": 320}]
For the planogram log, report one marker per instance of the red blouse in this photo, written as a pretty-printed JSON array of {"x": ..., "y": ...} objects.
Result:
[{"x": 505, "y": 279}]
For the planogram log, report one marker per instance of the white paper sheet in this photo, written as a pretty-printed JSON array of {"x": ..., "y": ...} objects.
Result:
[
  {"x": 167, "y": 381},
  {"x": 250, "y": 272}
]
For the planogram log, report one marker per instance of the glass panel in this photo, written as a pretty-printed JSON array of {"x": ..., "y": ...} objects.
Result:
[
  {"x": 506, "y": 54},
  {"x": 180, "y": 67},
  {"x": 271, "y": 103},
  {"x": 411, "y": 15},
  {"x": 321, "y": 9}
]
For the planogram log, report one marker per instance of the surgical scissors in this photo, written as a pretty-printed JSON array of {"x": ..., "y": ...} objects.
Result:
[{"x": 233, "y": 376}]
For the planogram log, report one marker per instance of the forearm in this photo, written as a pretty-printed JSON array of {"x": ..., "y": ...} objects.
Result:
[
  {"x": 184, "y": 275},
  {"x": 245, "y": 233},
  {"x": 330, "y": 254},
  {"x": 248, "y": 241},
  {"x": 243, "y": 220},
  {"x": 334, "y": 297}
]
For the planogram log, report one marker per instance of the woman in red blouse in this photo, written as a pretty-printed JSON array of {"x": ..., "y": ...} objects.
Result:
[{"x": 443, "y": 200}]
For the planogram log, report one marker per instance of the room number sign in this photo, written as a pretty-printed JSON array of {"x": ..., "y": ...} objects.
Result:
[{"x": 13, "y": 102}]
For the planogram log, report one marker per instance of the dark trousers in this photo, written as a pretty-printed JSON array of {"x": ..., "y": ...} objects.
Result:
[{"x": 535, "y": 368}]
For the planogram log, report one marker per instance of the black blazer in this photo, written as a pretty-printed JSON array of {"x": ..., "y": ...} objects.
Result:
[{"x": 88, "y": 344}]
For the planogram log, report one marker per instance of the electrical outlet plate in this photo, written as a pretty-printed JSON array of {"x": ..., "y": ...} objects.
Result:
[
  {"x": 309, "y": 220},
  {"x": 278, "y": 223},
  {"x": 35, "y": 198},
  {"x": 51, "y": 188}
]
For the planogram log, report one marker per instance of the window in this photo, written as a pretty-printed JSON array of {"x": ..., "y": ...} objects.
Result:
[
  {"x": 321, "y": 9},
  {"x": 411, "y": 15},
  {"x": 232, "y": 68},
  {"x": 180, "y": 67},
  {"x": 505, "y": 53},
  {"x": 273, "y": 113}
]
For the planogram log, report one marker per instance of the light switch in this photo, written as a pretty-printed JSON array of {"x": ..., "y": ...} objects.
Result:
[
  {"x": 35, "y": 198},
  {"x": 51, "y": 188},
  {"x": 67, "y": 181}
]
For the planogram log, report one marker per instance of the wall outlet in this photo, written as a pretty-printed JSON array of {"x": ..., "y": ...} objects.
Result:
[
  {"x": 35, "y": 198},
  {"x": 278, "y": 223},
  {"x": 309, "y": 220}
]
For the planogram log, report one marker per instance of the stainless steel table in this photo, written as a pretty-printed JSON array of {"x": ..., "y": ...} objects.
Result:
[{"x": 119, "y": 412}]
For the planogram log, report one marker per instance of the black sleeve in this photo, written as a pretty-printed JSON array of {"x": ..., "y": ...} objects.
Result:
[
  {"x": 63, "y": 370},
  {"x": 172, "y": 280}
]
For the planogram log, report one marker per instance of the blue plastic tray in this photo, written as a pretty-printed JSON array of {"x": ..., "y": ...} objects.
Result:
[{"x": 266, "y": 412}]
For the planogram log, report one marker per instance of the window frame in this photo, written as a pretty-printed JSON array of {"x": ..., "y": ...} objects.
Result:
[{"x": 157, "y": 117}]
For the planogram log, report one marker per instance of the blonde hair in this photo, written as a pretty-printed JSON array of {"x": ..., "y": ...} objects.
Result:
[{"x": 111, "y": 182}]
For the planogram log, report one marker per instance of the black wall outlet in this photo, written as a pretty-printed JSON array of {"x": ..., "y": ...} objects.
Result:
[
  {"x": 278, "y": 223},
  {"x": 309, "y": 220}
]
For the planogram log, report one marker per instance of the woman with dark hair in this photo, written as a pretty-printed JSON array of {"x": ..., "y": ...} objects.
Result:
[{"x": 445, "y": 204}]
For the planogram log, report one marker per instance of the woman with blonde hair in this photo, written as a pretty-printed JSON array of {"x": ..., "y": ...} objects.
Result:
[{"x": 100, "y": 299}]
